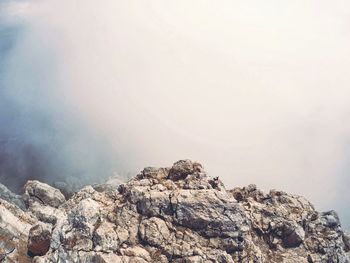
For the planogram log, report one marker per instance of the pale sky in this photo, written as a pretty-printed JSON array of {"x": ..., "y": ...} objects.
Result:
[{"x": 258, "y": 91}]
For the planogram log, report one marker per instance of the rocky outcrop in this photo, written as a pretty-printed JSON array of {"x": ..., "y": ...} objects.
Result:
[
  {"x": 176, "y": 214},
  {"x": 14, "y": 231}
]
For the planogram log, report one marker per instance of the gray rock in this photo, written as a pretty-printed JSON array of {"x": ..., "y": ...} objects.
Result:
[
  {"x": 35, "y": 191},
  {"x": 346, "y": 240},
  {"x": 154, "y": 173},
  {"x": 154, "y": 231},
  {"x": 182, "y": 169},
  {"x": 14, "y": 231},
  {"x": 177, "y": 214},
  {"x": 11, "y": 197},
  {"x": 330, "y": 219},
  {"x": 293, "y": 236},
  {"x": 211, "y": 214},
  {"x": 106, "y": 237}
]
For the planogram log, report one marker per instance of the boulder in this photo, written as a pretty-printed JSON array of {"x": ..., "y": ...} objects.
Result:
[
  {"x": 35, "y": 191},
  {"x": 181, "y": 169}
]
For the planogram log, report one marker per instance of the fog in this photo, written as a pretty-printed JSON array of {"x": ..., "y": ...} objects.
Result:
[{"x": 257, "y": 91}]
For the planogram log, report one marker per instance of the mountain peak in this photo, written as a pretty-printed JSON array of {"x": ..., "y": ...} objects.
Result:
[{"x": 176, "y": 214}]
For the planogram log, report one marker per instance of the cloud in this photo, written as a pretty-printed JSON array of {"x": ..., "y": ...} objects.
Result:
[{"x": 257, "y": 91}]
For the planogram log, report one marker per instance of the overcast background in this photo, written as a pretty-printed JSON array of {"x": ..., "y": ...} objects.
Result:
[{"x": 258, "y": 91}]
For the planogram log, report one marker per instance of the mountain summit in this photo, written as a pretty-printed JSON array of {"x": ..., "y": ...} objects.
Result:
[{"x": 177, "y": 214}]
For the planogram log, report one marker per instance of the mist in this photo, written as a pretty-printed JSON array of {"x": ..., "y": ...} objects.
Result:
[{"x": 256, "y": 91}]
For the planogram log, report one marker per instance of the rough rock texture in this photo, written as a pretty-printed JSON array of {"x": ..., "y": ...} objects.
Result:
[
  {"x": 39, "y": 239},
  {"x": 14, "y": 230},
  {"x": 7, "y": 195},
  {"x": 176, "y": 214}
]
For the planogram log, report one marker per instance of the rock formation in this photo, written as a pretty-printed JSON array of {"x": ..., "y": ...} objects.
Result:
[{"x": 176, "y": 214}]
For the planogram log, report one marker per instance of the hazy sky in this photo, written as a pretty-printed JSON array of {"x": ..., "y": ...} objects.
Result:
[{"x": 258, "y": 91}]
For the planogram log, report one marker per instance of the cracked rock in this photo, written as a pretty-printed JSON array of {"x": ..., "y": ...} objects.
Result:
[
  {"x": 154, "y": 231},
  {"x": 172, "y": 214},
  {"x": 182, "y": 169},
  {"x": 35, "y": 191}
]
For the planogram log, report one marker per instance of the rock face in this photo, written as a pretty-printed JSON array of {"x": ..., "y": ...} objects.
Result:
[{"x": 176, "y": 214}]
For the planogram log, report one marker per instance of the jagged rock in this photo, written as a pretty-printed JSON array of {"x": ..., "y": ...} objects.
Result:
[
  {"x": 293, "y": 235},
  {"x": 14, "y": 230},
  {"x": 154, "y": 231},
  {"x": 154, "y": 173},
  {"x": 43, "y": 201},
  {"x": 182, "y": 169},
  {"x": 177, "y": 214},
  {"x": 35, "y": 191},
  {"x": 212, "y": 213},
  {"x": 106, "y": 237},
  {"x": 39, "y": 240},
  {"x": 330, "y": 219},
  {"x": 46, "y": 214},
  {"x": 138, "y": 253}
]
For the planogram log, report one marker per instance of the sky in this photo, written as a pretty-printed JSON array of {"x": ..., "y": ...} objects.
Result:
[{"x": 257, "y": 91}]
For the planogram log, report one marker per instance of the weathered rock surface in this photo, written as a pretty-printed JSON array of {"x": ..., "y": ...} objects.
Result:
[
  {"x": 176, "y": 214},
  {"x": 39, "y": 239},
  {"x": 7, "y": 195},
  {"x": 36, "y": 191},
  {"x": 14, "y": 231}
]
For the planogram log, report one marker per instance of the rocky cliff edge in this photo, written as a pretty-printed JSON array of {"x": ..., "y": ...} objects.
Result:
[{"x": 176, "y": 214}]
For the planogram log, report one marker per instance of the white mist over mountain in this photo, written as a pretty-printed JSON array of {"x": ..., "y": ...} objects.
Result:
[{"x": 258, "y": 91}]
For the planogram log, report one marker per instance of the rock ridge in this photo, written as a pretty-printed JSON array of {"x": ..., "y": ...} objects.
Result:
[{"x": 176, "y": 214}]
